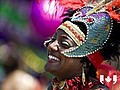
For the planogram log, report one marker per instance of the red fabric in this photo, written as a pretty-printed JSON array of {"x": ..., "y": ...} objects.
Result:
[
  {"x": 96, "y": 58},
  {"x": 74, "y": 84}
]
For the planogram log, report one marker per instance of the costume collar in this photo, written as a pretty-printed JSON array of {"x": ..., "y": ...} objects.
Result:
[{"x": 73, "y": 84}]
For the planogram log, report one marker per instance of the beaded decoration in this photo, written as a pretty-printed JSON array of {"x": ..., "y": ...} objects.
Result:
[
  {"x": 99, "y": 26},
  {"x": 73, "y": 84},
  {"x": 73, "y": 31}
]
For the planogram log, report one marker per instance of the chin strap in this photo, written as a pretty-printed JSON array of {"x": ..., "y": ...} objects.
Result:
[{"x": 96, "y": 58}]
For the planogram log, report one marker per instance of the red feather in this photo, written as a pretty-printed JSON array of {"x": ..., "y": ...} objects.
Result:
[
  {"x": 114, "y": 9},
  {"x": 74, "y": 4}
]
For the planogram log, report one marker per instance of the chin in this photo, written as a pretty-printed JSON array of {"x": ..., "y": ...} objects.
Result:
[
  {"x": 51, "y": 70},
  {"x": 48, "y": 68}
]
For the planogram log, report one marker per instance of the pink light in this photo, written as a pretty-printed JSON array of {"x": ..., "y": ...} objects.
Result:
[
  {"x": 50, "y": 9},
  {"x": 45, "y": 21}
]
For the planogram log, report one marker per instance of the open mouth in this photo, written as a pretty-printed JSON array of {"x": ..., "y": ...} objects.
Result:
[{"x": 54, "y": 58}]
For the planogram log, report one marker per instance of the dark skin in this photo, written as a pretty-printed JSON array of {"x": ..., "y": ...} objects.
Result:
[{"x": 59, "y": 65}]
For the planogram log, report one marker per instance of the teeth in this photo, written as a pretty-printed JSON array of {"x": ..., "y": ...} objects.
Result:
[{"x": 53, "y": 57}]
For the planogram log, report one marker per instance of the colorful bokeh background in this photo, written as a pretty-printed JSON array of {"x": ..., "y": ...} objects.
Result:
[{"x": 24, "y": 26}]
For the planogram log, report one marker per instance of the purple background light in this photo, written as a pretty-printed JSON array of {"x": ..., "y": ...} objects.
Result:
[{"x": 45, "y": 19}]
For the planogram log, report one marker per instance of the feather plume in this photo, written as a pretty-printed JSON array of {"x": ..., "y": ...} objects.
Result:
[
  {"x": 74, "y": 4},
  {"x": 114, "y": 9},
  {"x": 112, "y": 6}
]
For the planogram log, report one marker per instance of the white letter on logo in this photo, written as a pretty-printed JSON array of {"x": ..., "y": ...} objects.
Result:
[
  {"x": 102, "y": 78},
  {"x": 114, "y": 79}
]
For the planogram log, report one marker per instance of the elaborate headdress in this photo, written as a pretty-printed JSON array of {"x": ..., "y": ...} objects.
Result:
[{"x": 97, "y": 16}]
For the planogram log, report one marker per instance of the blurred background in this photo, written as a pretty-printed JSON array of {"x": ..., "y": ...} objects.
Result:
[{"x": 24, "y": 26}]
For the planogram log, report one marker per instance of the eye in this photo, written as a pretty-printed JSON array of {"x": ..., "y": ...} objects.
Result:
[
  {"x": 49, "y": 41},
  {"x": 53, "y": 39},
  {"x": 65, "y": 44}
]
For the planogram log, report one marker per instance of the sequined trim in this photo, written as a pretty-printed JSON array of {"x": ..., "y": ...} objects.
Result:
[{"x": 73, "y": 31}]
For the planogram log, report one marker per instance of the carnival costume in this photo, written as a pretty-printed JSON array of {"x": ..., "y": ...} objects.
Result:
[{"x": 98, "y": 19}]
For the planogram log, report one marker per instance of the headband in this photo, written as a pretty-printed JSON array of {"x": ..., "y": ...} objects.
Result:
[{"x": 73, "y": 31}]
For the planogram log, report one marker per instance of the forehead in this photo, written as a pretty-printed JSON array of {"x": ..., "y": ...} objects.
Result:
[{"x": 61, "y": 33}]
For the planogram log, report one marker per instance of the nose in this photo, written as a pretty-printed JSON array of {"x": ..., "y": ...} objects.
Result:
[{"x": 54, "y": 46}]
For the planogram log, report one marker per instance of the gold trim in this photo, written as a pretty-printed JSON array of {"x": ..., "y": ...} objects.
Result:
[{"x": 73, "y": 31}]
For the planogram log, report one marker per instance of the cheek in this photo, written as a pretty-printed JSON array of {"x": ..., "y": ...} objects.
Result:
[
  {"x": 62, "y": 50},
  {"x": 67, "y": 62},
  {"x": 70, "y": 61},
  {"x": 73, "y": 63}
]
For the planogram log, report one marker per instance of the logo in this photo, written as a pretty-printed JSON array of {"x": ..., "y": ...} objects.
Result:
[{"x": 108, "y": 79}]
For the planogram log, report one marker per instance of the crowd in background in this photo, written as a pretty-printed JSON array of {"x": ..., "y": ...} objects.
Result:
[{"x": 22, "y": 55}]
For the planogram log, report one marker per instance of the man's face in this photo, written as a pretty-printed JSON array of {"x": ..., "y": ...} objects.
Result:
[{"x": 58, "y": 64}]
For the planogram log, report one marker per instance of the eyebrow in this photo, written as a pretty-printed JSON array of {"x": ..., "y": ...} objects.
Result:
[
  {"x": 68, "y": 37},
  {"x": 65, "y": 36}
]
